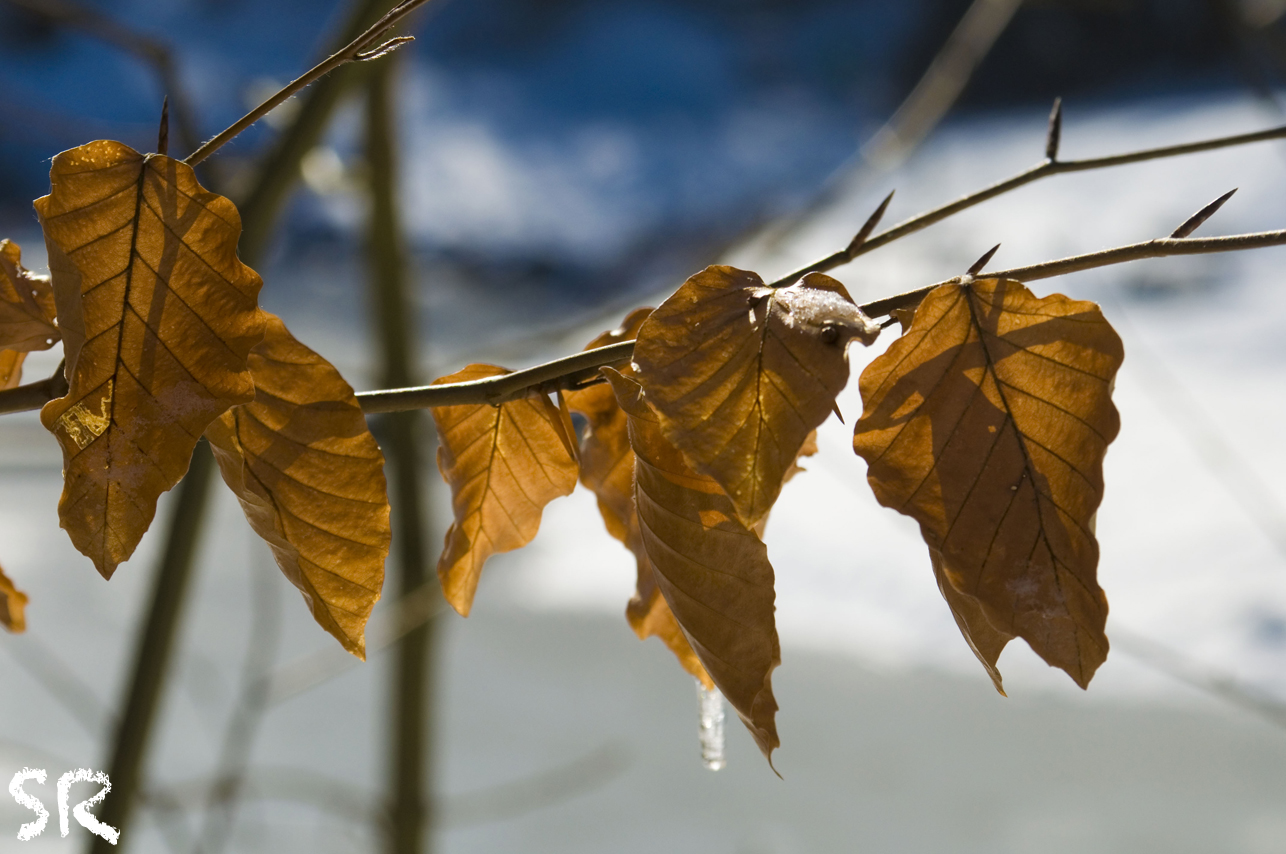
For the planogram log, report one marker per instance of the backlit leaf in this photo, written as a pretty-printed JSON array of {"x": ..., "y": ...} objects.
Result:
[
  {"x": 504, "y": 464},
  {"x": 713, "y": 571},
  {"x": 26, "y": 305},
  {"x": 310, "y": 479},
  {"x": 741, "y": 373},
  {"x": 987, "y": 422},
  {"x": 11, "y": 368},
  {"x": 26, "y": 314},
  {"x": 13, "y": 605},
  {"x": 158, "y": 317},
  {"x": 607, "y": 469}
]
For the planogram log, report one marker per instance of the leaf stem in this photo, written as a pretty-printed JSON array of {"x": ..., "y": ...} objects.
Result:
[{"x": 351, "y": 53}]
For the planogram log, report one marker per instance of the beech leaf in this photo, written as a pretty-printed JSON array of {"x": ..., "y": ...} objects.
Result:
[
  {"x": 988, "y": 422},
  {"x": 607, "y": 469},
  {"x": 740, "y": 374},
  {"x": 158, "y": 316},
  {"x": 13, "y": 606},
  {"x": 310, "y": 478},
  {"x": 26, "y": 305},
  {"x": 713, "y": 570},
  {"x": 504, "y": 464}
]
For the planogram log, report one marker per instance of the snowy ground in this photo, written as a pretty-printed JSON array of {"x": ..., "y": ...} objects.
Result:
[{"x": 892, "y": 737}]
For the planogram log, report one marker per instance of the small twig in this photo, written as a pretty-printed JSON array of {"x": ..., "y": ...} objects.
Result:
[
  {"x": 1044, "y": 169},
  {"x": 163, "y": 134},
  {"x": 869, "y": 226},
  {"x": 1195, "y": 221},
  {"x": 1054, "y": 136},
  {"x": 977, "y": 266},
  {"x": 352, "y": 52}
]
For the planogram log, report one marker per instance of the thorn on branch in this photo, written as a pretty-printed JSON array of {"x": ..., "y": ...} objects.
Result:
[
  {"x": 870, "y": 225},
  {"x": 1055, "y": 134},
  {"x": 982, "y": 262},
  {"x": 384, "y": 49},
  {"x": 1194, "y": 222},
  {"x": 163, "y": 135}
]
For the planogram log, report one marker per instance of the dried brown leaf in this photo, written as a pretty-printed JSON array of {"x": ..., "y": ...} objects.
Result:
[
  {"x": 504, "y": 464},
  {"x": 713, "y": 571},
  {"x": 607, "y": 469},
  {"x": 26, "y": 305},
  {"x": 11, "y": 368},
  {"x": 987, "y": 422},
  {"x": 13, "y": 606},
  {"x": 310, "y": 479},
  {"x": 740, "y": 374},
  {"x": 158, "y": 317}
]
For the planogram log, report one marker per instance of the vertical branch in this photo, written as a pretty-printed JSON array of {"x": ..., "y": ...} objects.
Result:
[
  {"x": 152, "y": 654},
  {"x": 410, "y": 731},
  {"x": 142, "y": 694},
  {"x": 410, "y": 708}
]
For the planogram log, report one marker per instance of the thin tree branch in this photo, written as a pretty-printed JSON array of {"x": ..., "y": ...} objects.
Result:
[
  {"x": 566, "y": 372},
  {"x": 1044, "y": 169},
  {"x": 570, "y": 371},
  {"x": 351, "y": 53}
]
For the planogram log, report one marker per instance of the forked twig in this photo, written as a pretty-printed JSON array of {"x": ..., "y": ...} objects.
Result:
[
  {"x": 358, "y": 50},
  {"x": 1044, "y": 169}
]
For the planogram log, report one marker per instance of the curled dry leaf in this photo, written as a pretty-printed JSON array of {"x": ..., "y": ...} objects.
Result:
[
  {"x": 504, "y": 464},
  {"x": 607, "y": 469},
  {"x": 988, "y": 422},
  {"x": 713, "y": 570},
  {"x": 158, "y": 317},
  {"x": 741, "y": 373},
  {"x": 310, "y": 479},
  {"x": 26, "y": 314},
  {"x": 26, "y": 305},
  {"x": 13, "y": 606}
]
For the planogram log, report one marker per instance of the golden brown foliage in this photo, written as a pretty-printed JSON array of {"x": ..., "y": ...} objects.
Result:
[
  {"x": 607, "y": 469},
  {"x": 158, "y": 317},
  {"x": 26, "y": 314},
  {"x": 26, "y": 305},
  {"x": 13, "y": 605},
  {"x": 713, "y": 571},
  {"x": 310, "y": 479},
  {"x": 988, "y": 422},
  {"x": 504, "y": 464},
  {"x": 740, "y": 374}
]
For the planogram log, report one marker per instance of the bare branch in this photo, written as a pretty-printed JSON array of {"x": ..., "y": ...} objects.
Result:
[
  {"x": 1159, "y": 248},
  {"x": 352, "y": 52},
  {"x": 1043, "y": 169},
  {"x": 495, "y": 390}
]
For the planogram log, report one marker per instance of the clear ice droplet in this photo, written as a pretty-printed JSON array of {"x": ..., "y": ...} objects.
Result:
[{"x": 711, "y": 732}]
